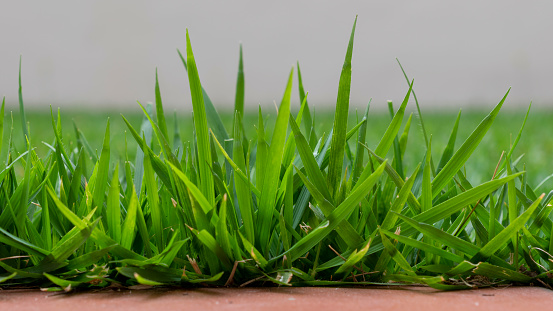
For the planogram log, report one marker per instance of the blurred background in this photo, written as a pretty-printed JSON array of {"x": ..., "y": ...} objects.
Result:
[
  {"x": 104, "y": 53},
  {"x": 96, "y": 58}
]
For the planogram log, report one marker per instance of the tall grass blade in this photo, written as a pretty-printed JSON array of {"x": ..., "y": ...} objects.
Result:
[
  {"x": 211, "y": 113},
  {"x": 308, "y": 123},
  {"x": 398, "y": 157},
  {"x": 113, "y": 208},
  {"x": 200, "y": 123},
  {"x": 153, "y": 200},
  {"x": 102, "y": 172},
  {"x": 309, "y": 162},
  {"x": 517, "y": 139},
  {"x": 145, "y": 131},
  {"x": 240, "y": 90},
  {"x": 340, "y": 121},
  {"x": 359, "y": 149},
  {"x": 392, "y": 130},
  {"x": 426, "y": 197},
  {"x": 243, "y": 191},
  {"x": 21, "y": 107},
  {"x": 450, "y": 147},
  {"x": 128, "y": 231},
  {"x": 425, "y": 135},
  {"x": 272, "y": 169},
  {"x": 160, "y": 115}
]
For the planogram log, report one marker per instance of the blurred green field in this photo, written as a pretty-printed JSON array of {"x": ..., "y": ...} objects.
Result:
[{"x": 536, "y": 142}]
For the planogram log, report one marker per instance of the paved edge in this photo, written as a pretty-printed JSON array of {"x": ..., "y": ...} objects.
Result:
[{"x": 319, "y": 299}]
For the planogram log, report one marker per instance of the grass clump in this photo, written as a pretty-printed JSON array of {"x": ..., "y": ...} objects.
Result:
[{"x": 294, "y": 206}]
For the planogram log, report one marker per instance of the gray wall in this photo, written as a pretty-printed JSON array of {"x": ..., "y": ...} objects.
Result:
[{"x": 104, "y": 53}]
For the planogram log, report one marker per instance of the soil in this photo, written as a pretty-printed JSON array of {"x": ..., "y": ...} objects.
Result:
[{"x": 318, "y": 299}]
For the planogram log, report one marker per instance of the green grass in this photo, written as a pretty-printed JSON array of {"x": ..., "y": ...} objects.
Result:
[
  {"x": 536, "y": 143},
  {"x": 299, "y": 199}
]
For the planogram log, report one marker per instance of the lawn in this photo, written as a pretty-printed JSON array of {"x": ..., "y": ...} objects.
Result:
[
  {"x": 330, "y": 198},
  {"x": 536, "y": 143}
]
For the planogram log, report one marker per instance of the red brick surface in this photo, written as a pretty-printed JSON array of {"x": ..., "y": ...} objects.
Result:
[{"x": 317, "y": 299}]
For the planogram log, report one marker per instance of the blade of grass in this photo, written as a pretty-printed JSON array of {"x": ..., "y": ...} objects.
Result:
[
  {"x": 398, "y": 181},
  {"x": 517, "y": 139},
  {"x": 417, "y": 103},
  {"x": 14, "y": 241},
  {"x": 360, "y": 151},
  {"x": 243, "y": 191},
  {"x": 145, "y": 131},
  {"x": 340, "y": 121},
  {"x": 157, "y": 164},
  {"x": 211, "y": 244},
  {"x": 345, "y": 230},
  {"x": 200, "y": 123},
  {"x": 512, "y": 209},
  {"x": 426, "y": 197},
  {"x": 404, "y": 192},
  {"x": 153, "y": 200},
  {"x": 261, "y": 154},
  {"x": 236, "y": 168},
  {"x": 465, "y": 151},
  {"x": 272, "y": 170},
  {"x": 308, "y": 124},
  {"x": 392, "y": 130},
  {"x": 396, "y": 255},
  {"x": 398, "y": 157},
  {"x": 405, "y": 135},
  {"x": 21, "y": 107},
  {"x": 495, "y": 272},
  {"x": 212, "y": 116},
  {"x": 450, "y": 147},
  {"x": 424, "y": 247},
  {"x": 113, "y": 208},
  {"x": 309, "y": 162},
  {"x": 240, "y": 90},
  {"x": 128, "y": 231},
  {"x": 62, "y": 251},
  {"x": 160, "y": 115},
  {"x": 102, "y": 172}
]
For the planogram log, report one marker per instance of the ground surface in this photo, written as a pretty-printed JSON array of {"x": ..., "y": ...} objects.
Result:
[{"x": 319, "y": 299}]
